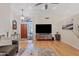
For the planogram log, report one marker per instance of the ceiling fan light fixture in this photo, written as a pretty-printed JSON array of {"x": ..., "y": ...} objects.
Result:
[{"x": 45, "y": 5}]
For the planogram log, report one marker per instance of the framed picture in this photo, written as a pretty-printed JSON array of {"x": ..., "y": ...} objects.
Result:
[
  {"x": 68, "y": 25},
  {"x": 14, "y": 24}
]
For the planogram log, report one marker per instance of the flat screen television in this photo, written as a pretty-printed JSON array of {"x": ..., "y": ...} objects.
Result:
[{"x": 43, "y": 28}]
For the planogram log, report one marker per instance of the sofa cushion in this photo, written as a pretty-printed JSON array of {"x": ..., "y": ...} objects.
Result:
[{"x": 7, "y": 49}]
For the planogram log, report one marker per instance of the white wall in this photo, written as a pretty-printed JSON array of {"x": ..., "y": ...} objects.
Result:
[
  {"x": 69, "y": 36},
  {"x": 76, "y": 25},
  {"x": 41, "y": 20},
  {"x": 4, "y": 18},
  {"x": 5, "y": 25}
]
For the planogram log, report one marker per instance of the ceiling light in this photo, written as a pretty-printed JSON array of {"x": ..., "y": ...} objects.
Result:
[
  {"x": 22, "y": 17},
  {"x": 45, "y": 5}
]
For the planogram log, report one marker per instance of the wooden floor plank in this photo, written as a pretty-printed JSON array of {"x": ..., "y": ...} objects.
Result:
[{"x": 60, "y": 48}]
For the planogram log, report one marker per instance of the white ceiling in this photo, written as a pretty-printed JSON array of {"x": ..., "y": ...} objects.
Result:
[{"x": 59, "y": 11}]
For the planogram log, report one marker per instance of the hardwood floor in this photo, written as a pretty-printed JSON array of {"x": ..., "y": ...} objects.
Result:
[
  {"x": 60, "y": 48},
  {"x": 23, "y": 44}
]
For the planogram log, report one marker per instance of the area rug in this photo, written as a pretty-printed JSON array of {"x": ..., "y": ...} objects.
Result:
[
  {"x": 39, "y": 52},
  {"x": 33, "y": 51}
]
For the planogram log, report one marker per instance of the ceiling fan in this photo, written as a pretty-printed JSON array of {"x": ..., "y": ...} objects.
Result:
[{"x": 45, "y": 5}]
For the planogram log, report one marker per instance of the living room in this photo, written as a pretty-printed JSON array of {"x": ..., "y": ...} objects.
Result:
[{"x": 20, "y": 25}]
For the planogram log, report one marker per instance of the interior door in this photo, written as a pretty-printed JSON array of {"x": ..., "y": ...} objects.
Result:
[{"x": 23, "y": 30}]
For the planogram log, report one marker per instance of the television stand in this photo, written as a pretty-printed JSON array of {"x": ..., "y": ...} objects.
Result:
[{"x": 44, "y": 36}]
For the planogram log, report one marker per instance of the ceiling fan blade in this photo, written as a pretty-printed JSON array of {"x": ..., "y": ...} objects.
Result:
[
  {"x": 38, "y": 4},
  {"x": 46, "y": 6}
]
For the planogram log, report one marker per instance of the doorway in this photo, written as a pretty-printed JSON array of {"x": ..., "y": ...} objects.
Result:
[
  {"x": 23, "y": 30},
  {"x": 30, "y": 29},
  {"x": 27, "y": 28}
]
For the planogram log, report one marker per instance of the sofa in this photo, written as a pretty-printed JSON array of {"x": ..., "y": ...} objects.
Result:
[{"x": 9, "y": 50}]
